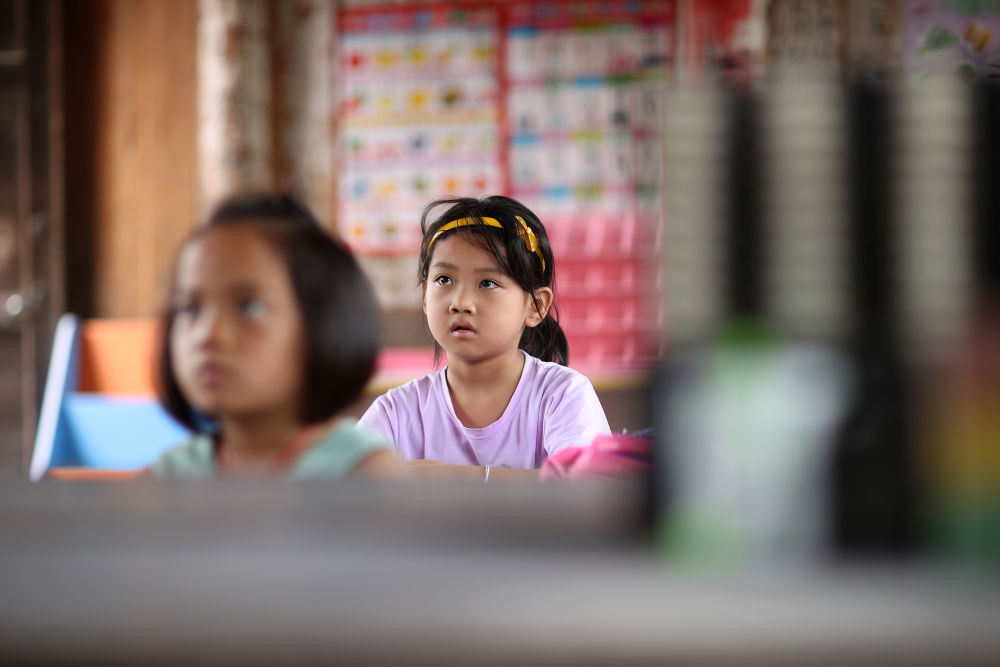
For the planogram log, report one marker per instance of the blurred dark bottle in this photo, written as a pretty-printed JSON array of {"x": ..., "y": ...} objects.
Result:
[{"x": 871, "y": 473}]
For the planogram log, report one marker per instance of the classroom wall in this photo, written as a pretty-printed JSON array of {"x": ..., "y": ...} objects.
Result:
[
  {"x": 143, "y": 166},
  {"x": 131, "y": 141}
]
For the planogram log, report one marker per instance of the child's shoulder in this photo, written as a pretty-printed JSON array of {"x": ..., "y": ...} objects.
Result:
[
  {"x": 339, "y": 451},
  {"x": 547, "y": 381},
  {"x": 549, "y": 373},
  {"x": 415, "y": 389},
  {"x": 191, "y": 459}
]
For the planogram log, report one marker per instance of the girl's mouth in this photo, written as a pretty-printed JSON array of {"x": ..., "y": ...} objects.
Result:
[
  {"x": 210, "y": 373},
  {"x": 462, "y": 330}
]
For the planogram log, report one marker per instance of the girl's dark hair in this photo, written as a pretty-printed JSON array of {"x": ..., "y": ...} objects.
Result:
[
  {"x": 339, "y": 312},
  {"x": 545, "y": 341}
]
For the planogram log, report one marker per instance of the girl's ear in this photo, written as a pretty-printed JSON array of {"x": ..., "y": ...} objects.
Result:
[
  {"x": 538, "y": 307},
  {"x": 423, "y": 296}
]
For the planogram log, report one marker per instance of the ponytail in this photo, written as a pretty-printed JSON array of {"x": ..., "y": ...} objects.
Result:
[{"x": 546, "y": 341}]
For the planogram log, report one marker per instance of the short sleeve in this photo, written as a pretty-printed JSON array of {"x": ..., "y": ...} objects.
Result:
[
  {"x": 377, "y": 418},
  {"x": 573, "y": 416}
]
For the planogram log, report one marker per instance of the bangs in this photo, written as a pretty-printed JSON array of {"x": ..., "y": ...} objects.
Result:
[{"x": 490, "y": 240}]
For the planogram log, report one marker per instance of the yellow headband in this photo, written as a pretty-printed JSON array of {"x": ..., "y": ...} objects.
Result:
[{"x": 529, "y": 236}]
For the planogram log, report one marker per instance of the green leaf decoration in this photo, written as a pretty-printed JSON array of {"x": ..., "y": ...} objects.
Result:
[{"x": 939, "y": 36}]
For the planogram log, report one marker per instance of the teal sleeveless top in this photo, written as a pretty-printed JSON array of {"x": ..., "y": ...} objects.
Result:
[{"x": 336, "y": 455}]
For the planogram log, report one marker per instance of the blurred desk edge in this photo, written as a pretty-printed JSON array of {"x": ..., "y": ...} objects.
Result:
[{"x": 265, "y": 573}]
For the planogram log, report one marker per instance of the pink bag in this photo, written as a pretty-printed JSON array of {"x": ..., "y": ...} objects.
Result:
[{"x": 614, "y": 456}]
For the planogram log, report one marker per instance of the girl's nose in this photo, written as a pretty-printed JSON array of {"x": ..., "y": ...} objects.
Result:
[
  {"x": 462, "y": 301},
  {"x": 212, "y": 328}
]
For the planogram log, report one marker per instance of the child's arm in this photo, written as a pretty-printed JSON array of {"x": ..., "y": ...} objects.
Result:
[
  {"x": 382, "y": 464},
  {"x": 437, "y": 469}
]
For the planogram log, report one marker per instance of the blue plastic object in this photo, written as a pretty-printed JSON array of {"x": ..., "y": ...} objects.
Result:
[{"x": 93, "y": 430}]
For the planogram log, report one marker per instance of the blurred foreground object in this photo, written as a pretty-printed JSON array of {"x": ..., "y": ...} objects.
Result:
[
  {"x": 960, "y": 452},
  {"x": 961, "y": 449},
  {"x": 353, "y": 573},
  {"x": 858, "y": 222},
  {"x": 747, "y": 433}
]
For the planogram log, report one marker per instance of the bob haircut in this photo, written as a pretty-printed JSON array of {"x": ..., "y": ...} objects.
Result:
[
  {"x": 339, "y": 313},
  {"x": 507, "y": 245}
]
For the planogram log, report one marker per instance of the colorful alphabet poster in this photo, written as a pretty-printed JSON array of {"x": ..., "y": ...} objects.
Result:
[
  {"x": 418, "y": 117},
  {"x": 585, "y": 93}
]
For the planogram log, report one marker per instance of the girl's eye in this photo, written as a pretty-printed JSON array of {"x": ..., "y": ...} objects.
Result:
[
  {"x": 252, "y": 307},
  {"x": 489, "y": 284},
  {"x": 188, "y": 309},
  {"x": 443, "y": 280}
]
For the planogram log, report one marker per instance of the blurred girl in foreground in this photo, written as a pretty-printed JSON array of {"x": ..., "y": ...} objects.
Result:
[{"x": 270, "y": 332}]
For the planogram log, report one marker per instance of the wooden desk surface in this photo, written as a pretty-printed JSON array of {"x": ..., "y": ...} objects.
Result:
[{"x": 239, "y": 573}]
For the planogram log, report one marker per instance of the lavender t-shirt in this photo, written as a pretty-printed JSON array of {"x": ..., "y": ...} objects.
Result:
[{"x": 552, "y": 407}]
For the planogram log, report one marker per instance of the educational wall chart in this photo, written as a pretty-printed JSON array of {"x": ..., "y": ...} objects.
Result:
[
  {"x": 584, "y": 107},
  {"x": 558, "y": 104},
  {"x": 419, "y": 118}
]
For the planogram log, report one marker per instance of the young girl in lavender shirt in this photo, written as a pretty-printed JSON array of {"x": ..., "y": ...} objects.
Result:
[{"x": 506, "y": 400}]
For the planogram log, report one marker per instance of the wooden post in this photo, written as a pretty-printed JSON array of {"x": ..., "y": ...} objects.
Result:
[
  {"x": 234, "y": 98},
  {"x": 302, "y": 76}
]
